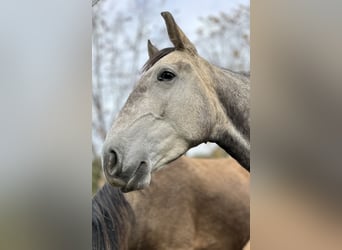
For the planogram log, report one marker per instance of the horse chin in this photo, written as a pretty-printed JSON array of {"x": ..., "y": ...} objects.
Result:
[
  {"x": 115, "y": 182},
  {"x": 137, "y": 182}
]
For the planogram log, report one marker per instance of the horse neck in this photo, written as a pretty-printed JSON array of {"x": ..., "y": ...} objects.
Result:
[{"x": 233, "y": 133}]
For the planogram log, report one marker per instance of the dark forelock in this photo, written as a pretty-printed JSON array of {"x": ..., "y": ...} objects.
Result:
[{"x": 156, "y": 57}]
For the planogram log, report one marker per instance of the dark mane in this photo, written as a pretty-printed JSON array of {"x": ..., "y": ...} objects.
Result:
[
  {"x": 112, "y": 217},
  {"x": 156, "y": 57}
]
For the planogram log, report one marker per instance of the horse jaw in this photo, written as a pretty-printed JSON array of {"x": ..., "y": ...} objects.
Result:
[{"x": 141, "y": 153}]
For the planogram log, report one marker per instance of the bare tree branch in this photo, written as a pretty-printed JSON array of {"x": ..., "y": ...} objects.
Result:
[
  {"x": 95, "y": 2},
  {"x": 224, "y": 38}
]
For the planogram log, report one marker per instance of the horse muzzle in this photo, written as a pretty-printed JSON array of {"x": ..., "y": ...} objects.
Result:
[{"x": 133, "y": 177}]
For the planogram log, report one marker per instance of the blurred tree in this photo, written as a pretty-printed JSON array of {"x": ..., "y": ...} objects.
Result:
[
  {"x": 224, "y": 39},
  {"x": 96, "y": 173},
  {"x": 94, "y": 2}
]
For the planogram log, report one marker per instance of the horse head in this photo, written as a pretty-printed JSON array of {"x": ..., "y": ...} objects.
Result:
[{"x": 173, "y": 107}]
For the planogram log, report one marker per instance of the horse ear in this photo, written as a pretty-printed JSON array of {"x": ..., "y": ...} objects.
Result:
[
  {"x": 176, "y": 35},
  {"x": 152, "y": 50}
]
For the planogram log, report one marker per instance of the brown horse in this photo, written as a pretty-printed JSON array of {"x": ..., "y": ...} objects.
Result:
[
  {"x": 191, "y": 204},
  {"x": 180, "y": 101}
]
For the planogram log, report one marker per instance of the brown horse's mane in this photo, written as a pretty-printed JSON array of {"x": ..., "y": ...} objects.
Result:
[{"x": 111, "y": 218}]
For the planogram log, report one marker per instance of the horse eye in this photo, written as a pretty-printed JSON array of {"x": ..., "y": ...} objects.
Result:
[{"x": 166, "y": 76}]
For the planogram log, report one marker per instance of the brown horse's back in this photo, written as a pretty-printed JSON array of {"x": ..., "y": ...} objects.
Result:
[{"x": 193, "y": 204}]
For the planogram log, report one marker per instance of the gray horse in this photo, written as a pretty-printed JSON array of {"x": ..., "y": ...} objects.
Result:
[{"x": 180, "y": 101}]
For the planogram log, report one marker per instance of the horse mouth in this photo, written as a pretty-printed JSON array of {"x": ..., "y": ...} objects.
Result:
[
  {"x": 116, "y": 182},
  {"x": 141, "y": 178}
]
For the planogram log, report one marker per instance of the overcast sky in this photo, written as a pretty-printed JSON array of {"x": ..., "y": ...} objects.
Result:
[
  {"x": 189, "y": 11},
  {"x": 186, "y": 12}
]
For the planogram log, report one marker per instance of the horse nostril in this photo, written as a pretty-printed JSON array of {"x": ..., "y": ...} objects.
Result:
[
  {"x": 142, "y": 164},
  {"x": 113, "y": 156},
  {"x": 112, "y": 161}
]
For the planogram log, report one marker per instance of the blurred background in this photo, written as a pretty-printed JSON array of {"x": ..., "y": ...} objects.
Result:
[{"x": 220, "y": 31}]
